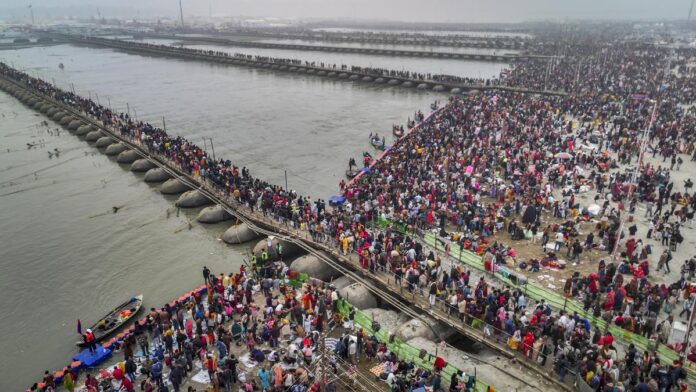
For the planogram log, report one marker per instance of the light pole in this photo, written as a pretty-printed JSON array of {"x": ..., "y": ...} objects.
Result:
[
  {"x": 688, "y": 328},
  {"x": 212, "y": 147},
  {"x": 632, "y": 185}
]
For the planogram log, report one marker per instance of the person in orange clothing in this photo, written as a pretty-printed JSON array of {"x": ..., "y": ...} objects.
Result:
[
  {"x": 527, "y": 344},
  {"x": 211, "y": 365},
  {"x": 278, "y": 376}
]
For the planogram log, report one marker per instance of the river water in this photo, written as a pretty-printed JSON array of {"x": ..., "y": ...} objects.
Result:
[{"x": 66, "y": 255}]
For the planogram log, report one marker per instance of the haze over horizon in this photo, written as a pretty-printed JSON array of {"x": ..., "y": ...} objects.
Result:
[{"x": 443, "y": 11}]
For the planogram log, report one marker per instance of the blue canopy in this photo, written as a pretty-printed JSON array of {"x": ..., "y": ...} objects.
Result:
[{"x": 337, "y": 199}]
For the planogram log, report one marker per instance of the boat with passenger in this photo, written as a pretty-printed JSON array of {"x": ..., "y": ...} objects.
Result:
[
  {"x": 115, "y": 319},
  {"x": 377, "y": 142}
]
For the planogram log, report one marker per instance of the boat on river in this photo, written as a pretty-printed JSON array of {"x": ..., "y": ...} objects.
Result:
[
  {"x": 115, "y": 319},
  {"x": 398, "y": 131},
  {"x": 377, "y": 142}
]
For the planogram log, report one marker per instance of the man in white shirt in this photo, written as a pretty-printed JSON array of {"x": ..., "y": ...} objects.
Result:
[{"x": 560, "y": 239}]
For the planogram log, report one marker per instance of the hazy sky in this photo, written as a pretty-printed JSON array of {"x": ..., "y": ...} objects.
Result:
[{"x": 407, "y": 10}]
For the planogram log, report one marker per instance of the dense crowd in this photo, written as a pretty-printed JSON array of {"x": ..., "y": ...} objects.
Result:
[
  {"x": 277, "y": 331},
  {"x": 497, "y": 162}
]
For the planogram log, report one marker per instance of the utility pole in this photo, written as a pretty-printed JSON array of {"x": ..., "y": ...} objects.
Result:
[
  {"x": 577, "y": 78},
  {"x": 688, "y": 19},
  {"x": 164, "y": 124},
  {"x": 691, "y": 321},
  {"x": 181, "y": 14},
  {"x": 286, "y": 180},
  {"x": 324, "y": 364},
  {"x": 31, "y": 11},
  {"x": 212, "y": 147}
]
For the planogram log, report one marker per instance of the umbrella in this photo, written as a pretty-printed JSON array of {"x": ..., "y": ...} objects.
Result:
[{"x": 563, "y": 155}]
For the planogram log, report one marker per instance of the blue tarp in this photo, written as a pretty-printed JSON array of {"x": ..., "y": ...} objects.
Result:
[
  {"x": 91, "y": 360},
  {"x": 365, "y": 170},
  {"x": 337, "y": 199}
]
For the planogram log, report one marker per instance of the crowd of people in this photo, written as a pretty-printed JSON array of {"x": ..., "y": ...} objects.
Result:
[
  {"x": 462, "y": 40},
  {"x": 277, "y": 331},
  {"x": 502, "y": 161}
]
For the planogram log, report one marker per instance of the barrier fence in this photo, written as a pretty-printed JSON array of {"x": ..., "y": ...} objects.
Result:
[{"x": 558, "y": 301}]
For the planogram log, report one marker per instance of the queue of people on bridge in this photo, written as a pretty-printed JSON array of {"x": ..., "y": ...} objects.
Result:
[
  {"x": 411, "y": 38},
  {"x": 375, "y": 71}
]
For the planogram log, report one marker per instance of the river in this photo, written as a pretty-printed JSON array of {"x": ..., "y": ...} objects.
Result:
[{"x": 66, "y": 255}]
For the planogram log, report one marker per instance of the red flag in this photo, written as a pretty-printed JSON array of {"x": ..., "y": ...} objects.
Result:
[{"x": 79, "y": 327}]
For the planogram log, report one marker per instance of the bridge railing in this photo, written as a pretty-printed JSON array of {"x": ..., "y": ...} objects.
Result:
[{"x": 403, "y": 350}]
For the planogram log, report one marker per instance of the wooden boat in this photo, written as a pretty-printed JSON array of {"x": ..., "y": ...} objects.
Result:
[
  {"x": 398, "y": 131},
  {"x": 377, "y": 142},
  {"x": 115, "y": 319}
]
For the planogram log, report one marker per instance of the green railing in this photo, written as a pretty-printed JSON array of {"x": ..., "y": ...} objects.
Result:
[
  {"x": 558, "y": 301},
  {"x": 402, "y": 349}
]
